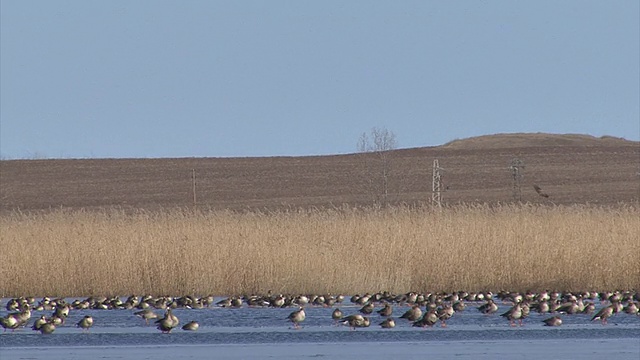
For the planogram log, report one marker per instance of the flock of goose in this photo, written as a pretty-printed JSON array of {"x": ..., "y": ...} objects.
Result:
[{"x": 424, "y": 309}]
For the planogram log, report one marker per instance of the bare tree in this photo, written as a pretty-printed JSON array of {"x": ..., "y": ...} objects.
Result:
[{"x": 376, "y": 148}]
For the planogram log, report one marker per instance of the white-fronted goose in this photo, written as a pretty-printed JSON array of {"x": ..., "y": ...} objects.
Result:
[
  {"x": 191, "y": 326},
  {"x": 412, "y": 314},
  {"x": 146, "y": 314},
  {"x": 297, "y": 317},
  {"x": 552, "y": 321},
  {"x": 386, "y": 311},
  {"x": 168, "y": 322},
  {"x": 388, "y": 323},
  {"x": 604, "y": 314},
  {"x": 513, "y": 314},
  {"x": 85, "y": 323}
]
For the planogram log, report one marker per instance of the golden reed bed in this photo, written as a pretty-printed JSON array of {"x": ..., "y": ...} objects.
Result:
[{"x": 348, "y": 251}]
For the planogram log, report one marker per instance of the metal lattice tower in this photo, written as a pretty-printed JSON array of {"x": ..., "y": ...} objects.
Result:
[
  {"x": 517, "y": 168},
  {"x": 436, "y": 197}
]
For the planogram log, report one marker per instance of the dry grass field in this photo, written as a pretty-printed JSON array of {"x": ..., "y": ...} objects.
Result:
[
  {"x": 570, "y": 168},
  {"x": 348, "y": 251},
  {"x": 297, "y": 225}
]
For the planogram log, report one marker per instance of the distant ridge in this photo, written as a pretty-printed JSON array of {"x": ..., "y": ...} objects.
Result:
[{"x": 520, "y": 140}]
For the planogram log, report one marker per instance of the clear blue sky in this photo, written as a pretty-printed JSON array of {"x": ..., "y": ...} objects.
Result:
[{"x": 261, "y": 78}]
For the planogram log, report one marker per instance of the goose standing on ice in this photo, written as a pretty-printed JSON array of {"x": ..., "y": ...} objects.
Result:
[
  {"x": 85, "y": 323},
  {"x": 297, "y": 317}
]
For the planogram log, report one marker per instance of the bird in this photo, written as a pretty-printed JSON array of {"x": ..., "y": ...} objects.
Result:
[
  {"x": 570, "y": 308},
  {"x": 39, "y": 322},
  {"x": 191, "y": 326},
  {"x": 9, "y": 322},
  {"x": 589, "y": 308},
  {"x": 540, "y": 192},
  {"x": 355, "y": 321},
  {"x": 445, "y": 313},
  {"x": 367, "y": 308},
  {"x": 297, "y": 317},
  {"x": 412, "y": 314},
  {"x": 489, "y": 307},
  {"x": 459, "y": 306},
  {"x": 428, "y": 319},
  {"x": 386, "y": 311},
  {"x": 388, "y": 323},
  {"x": 336, "y": 315},
  {"x": 604, "y": 314},
  {"x": 56, "y": 320},
  {"x": 146, "y": 314},
  {"x": 62, "y": 311},
  {"x": 552, "y": 321},
  {"x": 631, "y": 308},
  {"x": 47, "y": 328},
  {"x": 541, "y": 307},
  {"x": 20, "y": 318},
  {"x": 85, "y": 323},
  {"x": 168, "y": 322},
  {"x": 513, "y": 314}
]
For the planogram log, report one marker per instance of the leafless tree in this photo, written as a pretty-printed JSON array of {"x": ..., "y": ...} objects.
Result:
[{"x": 376, "y": 148}]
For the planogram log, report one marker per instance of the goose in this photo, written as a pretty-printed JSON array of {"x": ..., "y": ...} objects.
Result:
[
  {"x": 631, "y": 308},
  {"x": 386, "y": 311},
  {"x": 354, "y": 321},
  {"x": 428, "y": 319},
  {"x": 23, "y": 316},
  {"x": 278, "y": 301},
  {"x": 552, "y": 321},
  {"x": 62, "y": 311},
  {"x": 168, "y": 322},
  {"x": 589, "y": 308},
  {"x": 191, "y": 326},
  {"x": 224, "y": 303},
  {"x": 9, "y": 322},
  {"x": 236, "y": 302},
  {"x": 459, "y": 306},
  {"x": 513, "y": 314},
  {"x": 604, "y": 314},
  {"x": 412, "y": 314},
  {"x": 388, "y": 323},
  {"x": 489, "y": 307},
  {"x": 541, "y": 307},
  {"x": 85, "y": 323},
  {"x": 364, "y": 299},
  {"x": 302, "y": 300},
  {"x": 445, "y": 313},
  {"x": 570, "y": 308},
  {"x": 56, "y": 320},
  {"x": 336, "y": 315},
  {"x": 39, "y": 322},
  {"x": 367, "y": 308},
  {"x": 146, "y": 314},
  {"x": 47, "y": 328},
  {"x": 297, "y": 317}
]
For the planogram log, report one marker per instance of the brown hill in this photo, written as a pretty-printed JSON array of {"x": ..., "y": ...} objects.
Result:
[
  {"x": 518, "y": 140},
  {"x": 569, "y": 168}
]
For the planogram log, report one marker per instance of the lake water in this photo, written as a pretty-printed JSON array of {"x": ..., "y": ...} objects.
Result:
[{"x": 265, "y": 333}]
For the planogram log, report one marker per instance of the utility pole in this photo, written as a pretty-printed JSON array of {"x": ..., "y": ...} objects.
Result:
[
  {"x": 517, "y": 168},
  {"x": 193, "y": 180},
  {"x": 436, "y": 197}
]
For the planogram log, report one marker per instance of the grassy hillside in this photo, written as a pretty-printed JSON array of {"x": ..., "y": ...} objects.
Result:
[{"x": 570, "y": 168}]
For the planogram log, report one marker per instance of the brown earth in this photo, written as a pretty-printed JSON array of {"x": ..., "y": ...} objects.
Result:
[{"x": 570, "y": 168}]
